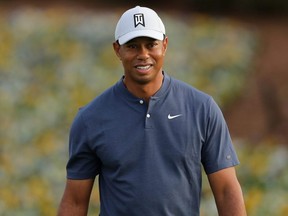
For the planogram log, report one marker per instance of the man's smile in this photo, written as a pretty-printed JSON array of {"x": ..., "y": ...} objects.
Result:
[{"x": 143, "y": 68}]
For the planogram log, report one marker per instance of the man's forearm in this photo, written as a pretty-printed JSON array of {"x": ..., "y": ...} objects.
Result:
[
  {"x": 231, "y": 203},
  {"x": 70, "y": 209}
]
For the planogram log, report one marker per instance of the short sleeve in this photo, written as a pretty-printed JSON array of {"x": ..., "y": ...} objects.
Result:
[
  {"x": 217, "y": 151},
  {"x": 83, "y": 162}
]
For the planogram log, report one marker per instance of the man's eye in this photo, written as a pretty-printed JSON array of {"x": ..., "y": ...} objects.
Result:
[
  {"x": 151, "y": 45},
  {"x": 131, "y": 46}
]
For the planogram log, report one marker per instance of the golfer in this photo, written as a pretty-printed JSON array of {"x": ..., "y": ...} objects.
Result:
[{"x": 148, "y": 136}]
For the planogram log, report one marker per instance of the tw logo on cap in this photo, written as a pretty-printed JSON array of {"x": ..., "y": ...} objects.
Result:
[{"x": 139, "y": 20}]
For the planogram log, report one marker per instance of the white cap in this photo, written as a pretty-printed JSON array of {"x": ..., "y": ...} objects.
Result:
[{"x": 139, "y": 22}]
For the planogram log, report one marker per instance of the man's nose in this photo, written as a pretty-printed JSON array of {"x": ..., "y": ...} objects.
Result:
[{"x": 143, "y": 53}]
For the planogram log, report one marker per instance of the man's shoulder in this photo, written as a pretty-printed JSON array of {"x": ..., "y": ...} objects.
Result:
[
  {"x": 189, "y": 91},
  {"x": 100, "y": 102}
]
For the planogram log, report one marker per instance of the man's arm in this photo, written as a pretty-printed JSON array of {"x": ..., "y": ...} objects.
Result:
[
  {"x": 75, "y": 200},
  {"x": 227, "y": 192}
]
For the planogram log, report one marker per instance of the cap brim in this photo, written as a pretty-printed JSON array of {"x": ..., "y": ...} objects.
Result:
[{"x": 140, "y": 33}]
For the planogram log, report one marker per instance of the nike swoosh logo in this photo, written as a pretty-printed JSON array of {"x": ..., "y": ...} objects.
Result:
[{"x": 174, "y": 116}]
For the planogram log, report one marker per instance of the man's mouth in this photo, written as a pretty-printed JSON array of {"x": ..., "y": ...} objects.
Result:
[{"x": 143, "y": 67}]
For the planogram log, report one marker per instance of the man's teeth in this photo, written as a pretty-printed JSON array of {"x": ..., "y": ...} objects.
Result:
[{"x": 143, "y": 67}]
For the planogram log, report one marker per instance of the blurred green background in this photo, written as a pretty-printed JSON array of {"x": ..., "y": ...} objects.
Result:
[{"x": 55, "y": 59}]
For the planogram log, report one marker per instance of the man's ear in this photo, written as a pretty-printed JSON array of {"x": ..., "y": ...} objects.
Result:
[
  {"x": 116, "y": 47},
  {"x": 165, "y": 45}
]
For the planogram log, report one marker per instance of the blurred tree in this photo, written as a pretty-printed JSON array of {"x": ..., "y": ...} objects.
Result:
[{"x": 209, "y": 6}]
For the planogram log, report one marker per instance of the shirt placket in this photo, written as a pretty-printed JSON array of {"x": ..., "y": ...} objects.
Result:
[{"x": 150, "y": 114}]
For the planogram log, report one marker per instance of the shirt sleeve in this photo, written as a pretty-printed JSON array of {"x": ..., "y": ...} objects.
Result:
[
  {"x": 83, "y": 163},
  {"x": 217, "y": 152}
]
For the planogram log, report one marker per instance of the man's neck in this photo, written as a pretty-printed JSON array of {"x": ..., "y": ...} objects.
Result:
[{"x": 145, "y": 91}]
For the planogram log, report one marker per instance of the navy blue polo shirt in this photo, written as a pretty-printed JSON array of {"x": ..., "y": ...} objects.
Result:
[{"x": 149, "y": 156}]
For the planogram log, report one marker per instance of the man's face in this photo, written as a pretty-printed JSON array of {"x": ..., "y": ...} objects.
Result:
[{"x": 142, "y": 59}]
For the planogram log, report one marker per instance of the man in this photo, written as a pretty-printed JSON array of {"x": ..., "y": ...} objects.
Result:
[{"x": 147, "y": 137}]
